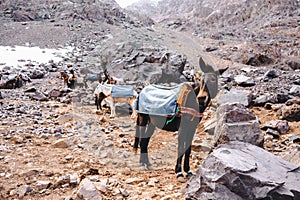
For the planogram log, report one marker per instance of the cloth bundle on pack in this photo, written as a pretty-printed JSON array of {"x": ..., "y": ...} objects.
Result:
[
  {"x": 119, "y": 91},
  {"x": 161, "y": 100},
  {"x": 116, "y": 91},
  {"x": 12, "y": 77},
  {"x": 105, "y": 89}
]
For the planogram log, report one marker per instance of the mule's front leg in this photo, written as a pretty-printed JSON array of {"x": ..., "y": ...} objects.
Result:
[
  {"x": 112, "y": 107},
  {"x": 134, "y": 114},
  {"x": 97, "y": 101},
  {"x": 185, "y": 137},
  {"x": 180, "y": 152}
]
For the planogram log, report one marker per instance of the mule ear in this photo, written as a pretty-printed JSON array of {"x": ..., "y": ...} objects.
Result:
[
  {"x": 222, "y": 70},
  {"x": 204, "y": 68},
  {"x": 202, "y": 64}
]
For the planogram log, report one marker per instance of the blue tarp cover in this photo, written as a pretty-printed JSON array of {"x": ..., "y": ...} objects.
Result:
[
  {"x": 122, "y": 91},
  {"x": 158, "y": 100}
]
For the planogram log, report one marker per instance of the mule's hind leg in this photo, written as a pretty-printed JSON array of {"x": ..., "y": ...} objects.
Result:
[
  {"x": 144, "y": 159},
  {"x": 137, "y": 137},
  {"x": 141, "y": 122}
]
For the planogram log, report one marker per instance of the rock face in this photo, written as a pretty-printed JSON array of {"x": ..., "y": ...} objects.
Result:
[
  {"x": 107, "y": 11},
  {"x": 243, "y": 171},
  {"x": 236, "y": 123}
]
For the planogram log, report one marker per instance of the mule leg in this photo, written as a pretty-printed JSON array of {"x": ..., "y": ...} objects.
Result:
[
  {"x": 112, "y": 107},
  {"x": 188, "y": 146},
  {"x": 138, "y": 127},
  {"x": 96, "y": 101},
  {"x": 142, "y": 137},
  {"x": 137, "y": 138},
  {"x": 133, "y": 108},
  {"x": 180, "y": 153},
  {"x": 185, "y": 137},
  {"x": 101, "y": 97},
  {"x": 144, "y": 159},
  {"x": 186, "y": 165},
  {"x": 72, "y": 84}
]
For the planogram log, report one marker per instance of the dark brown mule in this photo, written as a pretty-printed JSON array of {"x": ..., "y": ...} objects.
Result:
[
  {"x": 196, "y": 100},
  {"x": 13, "y": 82},
  {"x": 16, "y": 81},
  {"x": 69, "y": 79}
]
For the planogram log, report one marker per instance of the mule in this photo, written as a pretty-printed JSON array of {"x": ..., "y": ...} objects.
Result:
[
  {"x": 104, "y": 91},
  {"x": 69, "y": 78},
  {"x": 195, "y": 98},
  {"x": 14, "y": 81}
]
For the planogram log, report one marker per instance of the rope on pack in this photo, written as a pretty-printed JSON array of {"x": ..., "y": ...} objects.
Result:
[{"x": 173, "y": 117}]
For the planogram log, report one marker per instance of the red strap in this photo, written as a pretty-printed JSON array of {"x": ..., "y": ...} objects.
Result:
[{"x": 191, "y": 111}]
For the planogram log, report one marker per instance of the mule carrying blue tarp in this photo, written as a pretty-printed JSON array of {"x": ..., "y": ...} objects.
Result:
[{"x": 158, "y": 100}]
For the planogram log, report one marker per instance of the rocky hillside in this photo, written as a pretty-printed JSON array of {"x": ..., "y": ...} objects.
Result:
[
  {"x": 219, "y": 14},
  {"x": 264, "y": 31},
  {"x": 229, "y": 18},
  {"x": 105, "y": 11}
]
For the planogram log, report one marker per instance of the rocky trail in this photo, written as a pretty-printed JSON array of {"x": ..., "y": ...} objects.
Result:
[
  {"x": 54, "y": 144},
  {"x": 47, "y": 155}
]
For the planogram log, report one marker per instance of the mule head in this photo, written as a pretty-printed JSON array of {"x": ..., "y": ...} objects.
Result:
[
  {"x": 63, "y": 74},
  {"x": 206, "y": 84},
  {"x": 111, "y": 80}
]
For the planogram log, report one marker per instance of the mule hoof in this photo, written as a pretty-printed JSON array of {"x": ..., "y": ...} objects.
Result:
[
  {"x": 143, "y": 167},
  {"x": 146, "y": 166},
  {"x": 149, "y": 167},
  {"x": 189, "y": 174},
  {"x": 180, "y": 178}
]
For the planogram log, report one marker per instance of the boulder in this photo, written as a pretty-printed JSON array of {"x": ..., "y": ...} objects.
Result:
[
  {"x": 238, "y": 170},
  {"x": 236, "y": 123},
  {"x": 244, "y": 81},
  {"x": 282, "y": 126},
  {"x": 87, "y": 190},
  {"x": 291, "y": 110},
  {"x": 235, "y": 96}
]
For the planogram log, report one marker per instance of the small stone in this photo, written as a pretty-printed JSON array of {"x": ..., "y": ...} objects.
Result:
[
  {"x": 271, "y": 74},
  {"x": 168, "y": 197},
  {"x": 108, "y": 143},
  {"x": 60, "y": 144},
  {"x": 101, "y": 186},
  {"x": 124, "y": 192},
  {"x": 41, "y": 185},
  {"x": 273, "y": 132},
  {"x": 23, "y": 190},
  {"x": 69, "y": 157},
  {"x": 134, "y": 180},
  {"x": 62, "y": 180}
]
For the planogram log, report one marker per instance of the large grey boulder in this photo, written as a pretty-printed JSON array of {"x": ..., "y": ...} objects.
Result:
[
  {"x": 235, "y": 96},
  {"x": 238, "y": 170},
  {"x": 87, "y": 190},
  {"x": 236, "y": 123}
]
